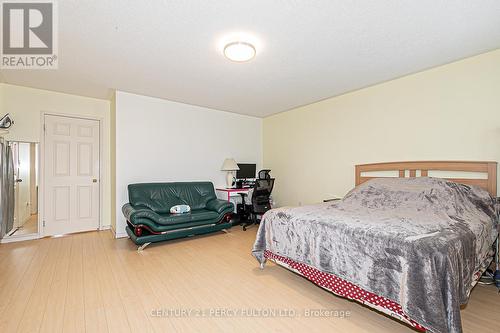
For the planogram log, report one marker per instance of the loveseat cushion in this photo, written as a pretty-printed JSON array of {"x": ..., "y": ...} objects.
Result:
[
  {"x": 134, "y": 214},
  {"x": 218, "y": 205},
  {"x": 160, "y": 197},
  {"x": 193, "y": 216}
]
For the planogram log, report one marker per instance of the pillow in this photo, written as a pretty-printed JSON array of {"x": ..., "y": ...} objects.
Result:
[
  {"x": 180, "y": 209},
  {"x": 423, "y": 194}
]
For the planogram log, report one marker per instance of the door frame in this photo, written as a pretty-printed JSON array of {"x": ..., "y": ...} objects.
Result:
[{"x": 41, "y": 198}]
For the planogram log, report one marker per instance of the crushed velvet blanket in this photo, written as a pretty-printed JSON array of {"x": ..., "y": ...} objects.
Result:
[{"x": 416, "y": 241}]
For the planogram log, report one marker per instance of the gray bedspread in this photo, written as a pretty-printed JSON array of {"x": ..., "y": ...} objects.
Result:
[{"x": 416, "y": 241}]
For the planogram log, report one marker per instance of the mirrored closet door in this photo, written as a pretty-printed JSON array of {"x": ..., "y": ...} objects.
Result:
[{"x": 25, "y": 175}]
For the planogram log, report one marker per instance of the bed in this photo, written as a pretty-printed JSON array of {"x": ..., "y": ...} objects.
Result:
[{"x": 410, "y": 246}]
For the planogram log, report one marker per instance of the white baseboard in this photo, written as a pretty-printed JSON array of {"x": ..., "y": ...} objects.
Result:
[
  {"x": 118, "y": 234},
  {"x": 121, "y": 235},
  {"x": 21, "y": 238}
]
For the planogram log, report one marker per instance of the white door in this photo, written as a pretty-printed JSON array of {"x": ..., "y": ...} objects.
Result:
[{"x": 71, "y": 160}]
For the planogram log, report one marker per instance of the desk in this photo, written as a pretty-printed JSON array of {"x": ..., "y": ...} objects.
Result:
[{"x": 228, "y": 193}]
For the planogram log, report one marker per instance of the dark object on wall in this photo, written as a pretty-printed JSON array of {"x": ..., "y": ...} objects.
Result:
[{"x": 6, "y": 122}]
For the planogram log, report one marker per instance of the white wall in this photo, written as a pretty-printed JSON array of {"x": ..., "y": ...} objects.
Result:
[
  {"x": 450, "y": 112},
  {"x": 160, "y": 141},
  {"x": 25, "y": 106},
  {"x": 113, "y": 160}
]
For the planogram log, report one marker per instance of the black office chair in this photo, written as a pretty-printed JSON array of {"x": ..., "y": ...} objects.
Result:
[
  {"x": 261, "y": 201},
  {"x": 264, "y": 174}
]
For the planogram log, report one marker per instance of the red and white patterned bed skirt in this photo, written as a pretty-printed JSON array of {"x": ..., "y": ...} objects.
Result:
[{"x": 345, "y": 289}]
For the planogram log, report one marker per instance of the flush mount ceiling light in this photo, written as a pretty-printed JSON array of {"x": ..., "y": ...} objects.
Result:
[{"x": 239, "y": 51}]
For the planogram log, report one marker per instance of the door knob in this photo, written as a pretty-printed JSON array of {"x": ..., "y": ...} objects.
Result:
[
  {"x": 94, "y": 180},
  {"x": 19, "y": 180}
]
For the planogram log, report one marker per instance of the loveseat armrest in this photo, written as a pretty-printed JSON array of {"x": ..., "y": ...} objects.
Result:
[
  {"x": 218, "y": 205},
  {"x": 132, "y": 213}
]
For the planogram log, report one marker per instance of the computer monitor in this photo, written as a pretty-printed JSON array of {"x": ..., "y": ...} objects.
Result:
[{"x": 246, "y": 171}]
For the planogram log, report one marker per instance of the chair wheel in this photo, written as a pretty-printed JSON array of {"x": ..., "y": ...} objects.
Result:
[{"x": 244, "y": 228}]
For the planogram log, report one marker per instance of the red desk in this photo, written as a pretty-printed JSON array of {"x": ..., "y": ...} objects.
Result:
[
  {"x": 227, "y": 193},
  {"x": 231, "y": 192}
]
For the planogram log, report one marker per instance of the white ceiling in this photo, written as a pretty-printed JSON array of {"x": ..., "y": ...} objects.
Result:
[{"x": 307, "y": 50}]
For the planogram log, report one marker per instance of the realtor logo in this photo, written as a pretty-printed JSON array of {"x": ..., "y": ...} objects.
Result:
[{"x": 29, "y": 35}]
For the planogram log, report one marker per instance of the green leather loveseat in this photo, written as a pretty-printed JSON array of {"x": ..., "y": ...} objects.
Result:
[{"x": 148, "y": 211}]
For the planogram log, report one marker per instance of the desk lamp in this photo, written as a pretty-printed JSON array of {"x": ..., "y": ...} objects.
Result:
[{"x": 230, "y": 166}]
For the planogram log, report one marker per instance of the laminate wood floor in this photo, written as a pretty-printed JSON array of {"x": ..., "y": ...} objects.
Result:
[{"x": 91, "y": 282}]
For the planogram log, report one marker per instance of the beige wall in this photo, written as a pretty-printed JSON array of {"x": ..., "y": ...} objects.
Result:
[
  {"x": 450, "y": 112},
  {"x": 2, "y": 109},
  {"x": 25, "y": 106}
]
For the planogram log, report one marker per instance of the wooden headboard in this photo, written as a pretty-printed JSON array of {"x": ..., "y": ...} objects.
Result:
[{"x": 488, "y": 168}]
